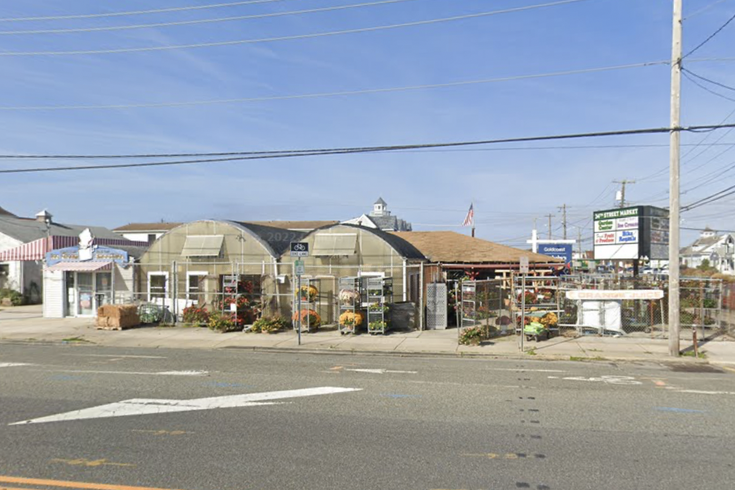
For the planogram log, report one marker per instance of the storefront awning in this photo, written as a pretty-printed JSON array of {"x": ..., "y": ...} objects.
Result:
[
  {"x": 81, "y": 266},
  {"x": 331, "y": 245},
  {"x": 36, "y": 250},
  {"x": 203, "y": 246}
]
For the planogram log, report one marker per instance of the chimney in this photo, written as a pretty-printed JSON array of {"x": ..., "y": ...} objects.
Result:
[{"x": 44, "y": 217}]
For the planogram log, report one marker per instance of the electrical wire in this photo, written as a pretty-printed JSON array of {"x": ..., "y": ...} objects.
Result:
[
  {"x": 289, "y": 38},
  {"x": 369, "y": 149},
  {"x": 134, "y": 12},
  {"x": 690, "y": 72},
  {"x": 704, "y": 9},
  {"x": 334, "y": 94},
  {"x": 706, "y": 89},
  {"x": 203, "y": 21},
  {"x": 700, "y": 45}
]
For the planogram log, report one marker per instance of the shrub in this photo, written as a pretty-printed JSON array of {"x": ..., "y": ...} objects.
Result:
[
  {"x": 471, "y": 336},
  {"x": 269, "y": 325},
  {"x": 222, "y": 323},
  {"x": 16, "y": 299},
  {"x": 196, "y": 315}
]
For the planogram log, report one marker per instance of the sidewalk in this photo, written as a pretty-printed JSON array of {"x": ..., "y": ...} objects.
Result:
[{"x": 26, "y": 324}]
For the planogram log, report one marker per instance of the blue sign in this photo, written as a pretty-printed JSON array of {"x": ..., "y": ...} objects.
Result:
[
  {"x": 557, "y": 250},
  {"x": 99, "y": 254}
]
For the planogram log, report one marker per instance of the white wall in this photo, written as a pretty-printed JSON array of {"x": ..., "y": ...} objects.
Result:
[
  {"x": 139, "y": 237},
  {"x": 54, "y": 292},
  {"x": 15, "y": 275}
]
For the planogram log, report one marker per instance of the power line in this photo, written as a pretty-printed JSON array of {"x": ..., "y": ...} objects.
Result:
[
  {"x": 704, "y": 9},
  {"x": 709, "y": 38},
  {"x": 689, "y": 77},
  {"x": 289, "y": 38},
  {"x": 134, "y": 12},
  {"x": 202, "y": 21},
  {"x": 369, "y": 149},
  {"x": 708, "y": 80},
  {"x": 335, "y": 94}
]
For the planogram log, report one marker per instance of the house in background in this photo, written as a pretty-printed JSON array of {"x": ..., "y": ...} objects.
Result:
[
  {"x": 24, "y": 243},
  {"x": 381, "y": 218},
  {"x": 144, "y": 232},
  {"x": 718, "y": 250}
]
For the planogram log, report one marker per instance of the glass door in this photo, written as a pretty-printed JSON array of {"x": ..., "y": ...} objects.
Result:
[
  {"x": 103, "y": 288},
  {"x": 85, "y": 294}
]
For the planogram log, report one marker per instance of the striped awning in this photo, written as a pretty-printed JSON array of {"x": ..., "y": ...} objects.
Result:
[
  {"x": 36, "y": 250},
  {"x": 81, "y": 266}
]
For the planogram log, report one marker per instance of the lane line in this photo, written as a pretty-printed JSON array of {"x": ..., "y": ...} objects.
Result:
[
  {"x": 143, "y": 373},
  {"x": 679, "y": 410},
  {"x": 381, "y": 371},
  {"x": 14, "y": 364},
  {"x": 111, "y": 355},
  {"x": 521, "y": 370},
  {"x": 71, "y": 484}
]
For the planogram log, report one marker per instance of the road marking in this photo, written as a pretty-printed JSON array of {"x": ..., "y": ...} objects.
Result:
[
  {"x": 142, "y": 373},
  {"x": 381, "y": 371},
  {"x": 679, "y": 410},
  {"x": 521, "y": 370},
  {"x": 70, "y": 484},
  {"x": 396, "y": 395},
  {"x": 13, "y": 364},
  {"x": 112, "y": 355},
  {"x": 88, "y": 462},
  {"x": 614, "y": 380},
  {"x": 145, "y": 406},
  {"x": 701, "y": 392},
  {"x": 163, "y": 432}
]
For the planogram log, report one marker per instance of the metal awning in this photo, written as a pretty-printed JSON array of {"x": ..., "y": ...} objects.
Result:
[
  {"x": 330, "y": 245},
  {"x": 81, "y": 266},
  {"x": 203, "y": 246}
]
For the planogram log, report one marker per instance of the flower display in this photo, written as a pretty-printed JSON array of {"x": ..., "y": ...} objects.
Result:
[
  {"x": 377, "y": 325},
  {"x": 309, "y": 293},
  {"x": 347, "y": 296},
  {"x": 195, "y": 315},
  {"x": 308, "y": 317},
  {"x": 350, "y": 319}
]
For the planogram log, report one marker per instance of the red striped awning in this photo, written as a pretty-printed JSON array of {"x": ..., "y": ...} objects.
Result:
[
  {"x": 91, "y": 266},
  {"x": 36, "y": 250}
]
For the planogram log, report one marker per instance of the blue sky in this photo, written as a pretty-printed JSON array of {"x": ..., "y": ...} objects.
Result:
[{"x": 432, "y": 189}]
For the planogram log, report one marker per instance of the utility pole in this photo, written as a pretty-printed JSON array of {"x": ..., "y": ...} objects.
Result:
[
  {"x": 563, "y": 209},
  {"x": 550, "y": 216},
  {"x": 674, "y": 161},
  {"x": 622, "y": 190}
]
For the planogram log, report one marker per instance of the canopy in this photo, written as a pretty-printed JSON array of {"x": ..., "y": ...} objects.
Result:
[{"x": 81, "y": 266}]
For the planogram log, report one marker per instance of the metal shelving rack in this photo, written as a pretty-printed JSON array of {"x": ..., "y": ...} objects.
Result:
[
  {"x": 350, "y": 284},
  {"x": 377, "y": 289},
  {"x": 306, "y": 305}
]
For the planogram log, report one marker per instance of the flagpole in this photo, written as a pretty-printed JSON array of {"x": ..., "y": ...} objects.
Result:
[{"x": 472, "y": 205}]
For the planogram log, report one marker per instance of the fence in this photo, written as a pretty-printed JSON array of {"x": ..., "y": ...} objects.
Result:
[
  {"x": 594, "y": 304},
  {"x": 190, "y": 292}
]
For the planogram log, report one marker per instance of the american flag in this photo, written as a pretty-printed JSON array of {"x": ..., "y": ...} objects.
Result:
[{"x": 470, "y": 218}]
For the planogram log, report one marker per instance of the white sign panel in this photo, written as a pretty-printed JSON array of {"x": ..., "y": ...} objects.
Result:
[
  {"x": 524, "y": 265},
  {"x": 627, "y": 223},
  {"x": 605, "y": 238},
  {"x": 616, "y": 252},
  {"x": 604, "y": 225},
  {"x": 598, "y": 294},
  {"x": 626, "y": 236}
]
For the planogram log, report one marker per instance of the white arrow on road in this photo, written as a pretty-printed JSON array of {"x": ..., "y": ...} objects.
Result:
[
  {"x": 145, "y": 406},
  {"x": 380, "y": 371}
]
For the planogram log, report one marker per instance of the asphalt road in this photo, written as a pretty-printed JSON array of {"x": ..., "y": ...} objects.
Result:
[{"x": 404, "y": 423}]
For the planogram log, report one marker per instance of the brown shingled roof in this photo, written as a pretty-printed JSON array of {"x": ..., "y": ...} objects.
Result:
[
  {"x": 147, "y": 227},
  {"x": 5, "y": 212},
  {"x": 295, "y": 225},
  {"x": 452, "y": 247}
]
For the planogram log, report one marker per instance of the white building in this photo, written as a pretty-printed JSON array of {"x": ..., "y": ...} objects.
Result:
[
  {"x": 718, "y": 250},
  {"x": 381, "y": 219}
]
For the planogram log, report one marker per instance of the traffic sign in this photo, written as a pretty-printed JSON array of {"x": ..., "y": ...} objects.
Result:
[
  {"x": 524, "y": 265},
  {"x": 299, "y": 249},
  {"x": 299, "y": 268}
]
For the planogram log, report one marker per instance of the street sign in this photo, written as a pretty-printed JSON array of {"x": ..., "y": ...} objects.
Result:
[
  {"x": 299, "y": 249},
  {"x": 524, "y": 265},
  {"x": 299, "y": 268}
]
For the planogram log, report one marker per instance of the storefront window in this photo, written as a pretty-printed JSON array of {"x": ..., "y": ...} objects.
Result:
[
  {"x": 85, "y": 288},
  {"x": 195, "y": 286}
]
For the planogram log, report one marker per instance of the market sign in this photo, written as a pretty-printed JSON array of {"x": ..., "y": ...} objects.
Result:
[
  {"x": 99, "y": 254},
  {"x": 631, "y": 233},
  {"x": 604, "y": 295},
  {"x": 557, "y": 250}
]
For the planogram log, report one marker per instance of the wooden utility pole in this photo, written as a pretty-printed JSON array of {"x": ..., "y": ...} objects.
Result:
[
  {"x": 623, "y": 183},
  {"x": 674, "y": 161},
  {"x": 550, "y": 216},
  {"x": 563, "y": 209}
]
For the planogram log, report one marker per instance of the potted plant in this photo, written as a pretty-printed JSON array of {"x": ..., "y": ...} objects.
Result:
[
  {"x": 377, "y": 307},
  {"x": 310, "y": 318},
  {"x": 471, "y": 336},
  {"x": 377, "y": 326},
  {"x": 349, "y": 321},
  {"x": 219, "y": 322},
  {"x": 308, "y": 293},
  {"x": 195, "y": 315},
  {"x": 348, "y": 296}
]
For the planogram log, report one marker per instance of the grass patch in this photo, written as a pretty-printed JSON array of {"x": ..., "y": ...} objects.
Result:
[
  {"x": 78, "y": 340},
  {"x": 531, "y": 352},
  {"x": 690, "y": 353},
  {"x": 583, "y": 359}
]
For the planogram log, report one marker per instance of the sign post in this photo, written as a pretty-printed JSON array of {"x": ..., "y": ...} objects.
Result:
[
  {"x": 524, "y": 269},
  {"x": 299, "y": 249}
]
